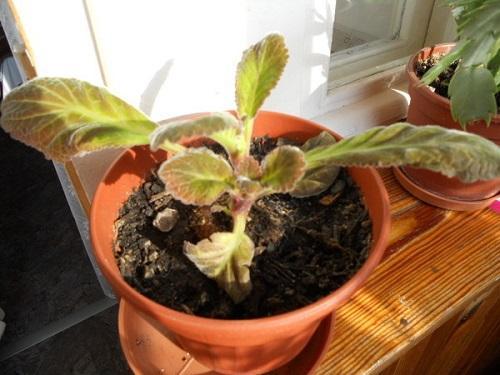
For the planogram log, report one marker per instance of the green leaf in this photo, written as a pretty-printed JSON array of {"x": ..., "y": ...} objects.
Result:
[
  {"x": 63, "y": 117},
  {"x": 477, "y": 25},
  {"x": 443, "y": 63},
  {"x": 479, "y": 52},
  {"x": 479, "y": 19},
  {"x": 494, "y": 68},
  {"x": 282, "y": 168},
  {"x": 197, "y": 176},
  {"x": 222, "y": 127},
  {"x": 451, "y": 152},
  {"x": 316, "y": 180},
  {"x": 230, "y": 139},
  {"x": 258, "y": 73},
  {"x": 225, "y": 257},
  {"x": 472, "y": 94}
]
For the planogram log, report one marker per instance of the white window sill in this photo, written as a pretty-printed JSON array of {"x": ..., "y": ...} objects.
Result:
[{"x": 381, "y": 99}]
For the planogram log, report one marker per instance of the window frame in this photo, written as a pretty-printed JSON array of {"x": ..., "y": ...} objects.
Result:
[{"x": 380, "y": 55}]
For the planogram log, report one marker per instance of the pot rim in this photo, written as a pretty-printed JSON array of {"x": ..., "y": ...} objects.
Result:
[
  {"x": 415, "y": 81},
  {"x": 319, "y": 308}
]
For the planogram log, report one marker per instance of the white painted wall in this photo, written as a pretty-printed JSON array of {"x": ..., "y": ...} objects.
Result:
[
  {"x": 58, "y": 36},
  {"x": 172, "y": 58},
  {"x": 177, "y": 57}
]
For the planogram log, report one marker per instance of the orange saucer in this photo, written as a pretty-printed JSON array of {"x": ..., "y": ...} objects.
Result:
[
  {"x": 149, "y": 351},
  {"x": 438, "y": 200}
]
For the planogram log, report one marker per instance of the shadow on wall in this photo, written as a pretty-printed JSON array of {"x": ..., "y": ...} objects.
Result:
[
  {"x": 316, "y": 84},
  {"x": 150, "y": 93}
]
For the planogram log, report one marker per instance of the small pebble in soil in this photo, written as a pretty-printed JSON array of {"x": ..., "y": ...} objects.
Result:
[{"x": 166, "y": 219}]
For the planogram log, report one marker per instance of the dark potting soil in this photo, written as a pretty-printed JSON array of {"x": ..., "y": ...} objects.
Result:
[
  {"x": 308, "y": 248},
  {"x": 441, "y": 83}
]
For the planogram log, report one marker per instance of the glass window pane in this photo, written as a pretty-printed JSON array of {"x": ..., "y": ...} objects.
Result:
[
  {"x": 359, "y": 22},
  {"x": 370, "y": 36}
]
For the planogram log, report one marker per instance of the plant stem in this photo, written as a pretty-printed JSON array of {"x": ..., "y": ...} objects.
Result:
[
  {"x": 240, "y": 222},
  {"x": 172, "y": 147},
  {"x": 240, "y": 209},
  {"x": 248, "y": 129}
]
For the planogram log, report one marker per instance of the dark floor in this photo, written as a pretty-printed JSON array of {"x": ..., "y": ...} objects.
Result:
[
  {"x": 88, "y": 348},
  {"x": 45, "y": 274}
]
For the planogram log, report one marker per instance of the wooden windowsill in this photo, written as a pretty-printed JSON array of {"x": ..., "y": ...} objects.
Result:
[{"x": 432, "y": 305}]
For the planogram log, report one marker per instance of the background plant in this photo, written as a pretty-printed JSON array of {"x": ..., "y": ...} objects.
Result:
[
  {"x": 476, "y": 80},
  {"x": 66, "y": 117}
]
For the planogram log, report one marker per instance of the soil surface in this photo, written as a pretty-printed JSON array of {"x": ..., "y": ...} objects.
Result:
[
  {"x": 441, "y": 83},
  {"x": 307, "y": 248}
]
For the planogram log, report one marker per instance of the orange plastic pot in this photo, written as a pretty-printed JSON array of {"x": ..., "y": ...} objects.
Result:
[
  {"x": 426, "y": 108},
  {"x": 232, "y": 346}
]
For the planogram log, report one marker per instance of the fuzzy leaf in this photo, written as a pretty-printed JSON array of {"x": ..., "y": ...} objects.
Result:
[
  {"x": 282, "y": 168},
  {"x": 197, "y": 176},
  {"x": 222, "y": 127},
  {"x": 316, "y": 180},
  {"x": 322, "y": 139},
  {"x": 225, "y": 257},
  {"x": 472, "y": 93},
  {"x": 451, "y": 152},
  {"x": 248, "y": 187},
  {"x": 259, "y": 72},
  {"x": 231, "y": 139},
  {"x": 249, "y": 167},
  {"x": 64, "y": 117}
]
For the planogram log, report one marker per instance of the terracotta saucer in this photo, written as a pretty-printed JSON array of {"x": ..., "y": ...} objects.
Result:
[
  {"x": 440, "y": 200},
  {"x": 149, "y": 351}
]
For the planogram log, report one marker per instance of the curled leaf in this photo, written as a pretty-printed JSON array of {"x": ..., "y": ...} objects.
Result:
[
  {"x": 259, "y": 72},
  {"x": 450, "y": 152},
  {"x": 225, "y": 257},
  {"x": 63, "y": 117},
  {"x": 196, "y": 176},
  {"x": 248, "y": 187},
  {"x": 282, "y": 168},
  {"x": 322, "y": 139},
  {"x": 222, "y": 127},
  {"x": 317, "y": 179},
  {"x": 249, "y": 167}
]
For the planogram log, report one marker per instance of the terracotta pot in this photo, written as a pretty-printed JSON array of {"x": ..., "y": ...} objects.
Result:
[
  {"x": 426, "y": 108},
  {"x": 232, "y": 346}
]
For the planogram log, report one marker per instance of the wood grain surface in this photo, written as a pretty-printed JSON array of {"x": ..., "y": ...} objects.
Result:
[{"x": 432, "y": 305}]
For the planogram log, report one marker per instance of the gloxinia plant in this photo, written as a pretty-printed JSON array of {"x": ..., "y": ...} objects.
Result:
[{"x": 66, "y": 117}]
